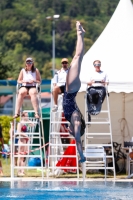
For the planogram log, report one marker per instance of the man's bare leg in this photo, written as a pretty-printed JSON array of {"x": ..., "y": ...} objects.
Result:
[{"x": 56, "y": 92}]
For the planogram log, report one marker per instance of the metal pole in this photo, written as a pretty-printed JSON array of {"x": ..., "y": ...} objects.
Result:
[
  {"x": 53, "y": 48},
  {"x": 11, "y": 150}
]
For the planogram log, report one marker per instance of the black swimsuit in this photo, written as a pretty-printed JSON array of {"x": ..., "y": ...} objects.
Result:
[{"x": 69, "y": 105}]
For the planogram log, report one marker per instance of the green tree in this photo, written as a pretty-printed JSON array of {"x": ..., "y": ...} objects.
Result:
[
  {"x": 5, "y": 123},
  {"x": 24, "y": 30},
  {"x": 4, "y": 68}
]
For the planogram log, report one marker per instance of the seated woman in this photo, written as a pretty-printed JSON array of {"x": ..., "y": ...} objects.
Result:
[
  {"x": 96, "y": 92},
  {"x": 99, "y": 77},
  {"x": 28, "y": 78}
]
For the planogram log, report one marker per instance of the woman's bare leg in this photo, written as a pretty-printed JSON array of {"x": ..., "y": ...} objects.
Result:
[
  {"x": 34, "y": 101},
  {"x": 21, "y": 95},
  {"x": 73, "y": 82}
]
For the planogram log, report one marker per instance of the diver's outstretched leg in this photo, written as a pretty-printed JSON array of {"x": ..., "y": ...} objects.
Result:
[
  {"x": 72, "y": 85},
  {"x": 73, "y": 82}
]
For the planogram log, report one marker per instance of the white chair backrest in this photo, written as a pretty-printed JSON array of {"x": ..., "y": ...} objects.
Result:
[
  {"x": 52, "y": 82},
  {"x": 95, "y": 152},
  {"x": 33, "y": 124}
]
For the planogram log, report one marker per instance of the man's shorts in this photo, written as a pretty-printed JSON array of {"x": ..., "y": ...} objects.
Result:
[{"x": 62, "y": 88}]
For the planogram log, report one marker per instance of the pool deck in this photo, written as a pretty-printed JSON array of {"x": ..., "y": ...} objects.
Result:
[{"x": 8, "y": 179}]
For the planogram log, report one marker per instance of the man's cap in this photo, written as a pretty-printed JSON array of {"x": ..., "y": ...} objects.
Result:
[
  {"x": 64, "y": 60},
  {"x": 29, "y": 59}
]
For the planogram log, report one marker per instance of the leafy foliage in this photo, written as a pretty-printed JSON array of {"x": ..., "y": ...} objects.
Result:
[
  {"x": 26, "y": 32},
  {"x": 5, "y": 123}
]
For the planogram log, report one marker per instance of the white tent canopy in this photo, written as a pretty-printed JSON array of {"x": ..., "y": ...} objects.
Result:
[{"x": 114, "y": 48}]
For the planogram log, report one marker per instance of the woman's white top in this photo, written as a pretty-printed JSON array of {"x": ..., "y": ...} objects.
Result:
[
  {"x": 99, "y": 76},
  {"x": 27, "y": 76}
]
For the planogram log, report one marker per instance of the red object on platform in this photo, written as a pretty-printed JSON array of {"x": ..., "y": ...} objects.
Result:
[
  {"x": 68, "y": 162},
  {"x": 24, "y": 128}
]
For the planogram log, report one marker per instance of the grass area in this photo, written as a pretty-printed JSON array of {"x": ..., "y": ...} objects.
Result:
[
  {"x": 36, "y": 173},
  {"x": 7, "y": 170}
]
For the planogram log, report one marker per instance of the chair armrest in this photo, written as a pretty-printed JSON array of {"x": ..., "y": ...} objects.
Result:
[
  {"x": 18, "y": 86},
  {"x": 38, "y": 87}
]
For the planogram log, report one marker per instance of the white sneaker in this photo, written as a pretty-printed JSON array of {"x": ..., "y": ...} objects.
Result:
[
  {"x": 55, "y": 108},
  {"x": 21, "y": 174},
  {"x": 51, "y": 174},
  {"x": 58, "y": 172}
]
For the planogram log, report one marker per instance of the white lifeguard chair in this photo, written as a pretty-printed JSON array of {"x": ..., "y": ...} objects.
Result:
[
  {"x": 35, "y": 132},
  {"x": 99, "y": 132},
  {"x": 56, "y": 147}
]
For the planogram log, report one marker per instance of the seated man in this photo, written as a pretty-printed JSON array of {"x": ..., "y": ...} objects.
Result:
[
  {"x": 97, "y": 92},
  {"x": 59, "y": 81}
]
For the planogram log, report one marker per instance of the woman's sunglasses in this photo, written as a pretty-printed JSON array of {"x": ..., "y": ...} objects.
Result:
[
  {"x": 29, "y": 62},
  {"x": 97, "y": 65}
]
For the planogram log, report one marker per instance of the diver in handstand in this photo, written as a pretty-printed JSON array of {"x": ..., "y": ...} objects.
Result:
[{"x": 71, "y": 110}]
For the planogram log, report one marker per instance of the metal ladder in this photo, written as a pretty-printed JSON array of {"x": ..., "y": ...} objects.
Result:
[
  {"x": 33, "y": 133},
  {"x": 99, "y": 132},
  {"x": 55, "y": 144}
]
